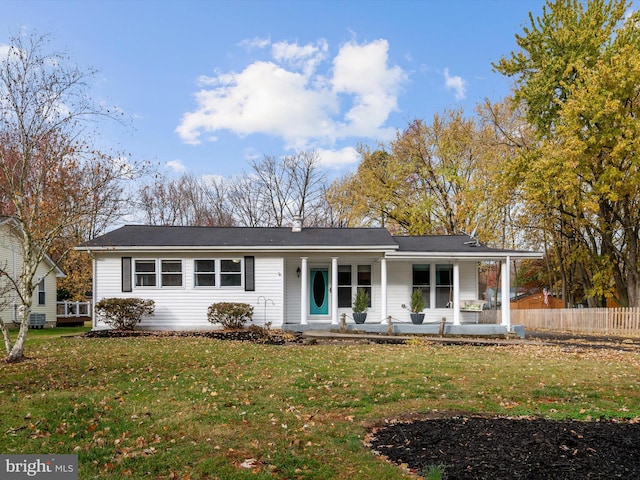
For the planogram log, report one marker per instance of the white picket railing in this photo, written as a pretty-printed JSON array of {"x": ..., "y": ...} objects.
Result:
[
  {"x": 73, "y": 309},
  {"x": 610, "y": 321}
]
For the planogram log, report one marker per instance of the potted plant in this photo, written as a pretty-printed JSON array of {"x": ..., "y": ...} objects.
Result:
[
  {"x": 416, "y": 307},
  {"x": 360, "y": 305}
]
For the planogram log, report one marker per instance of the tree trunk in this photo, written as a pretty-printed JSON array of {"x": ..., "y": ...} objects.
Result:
[
  {"x": 633, "y": 289},
  {"x": 5, "y": 336},
  {"x": 17, "y": 350}
]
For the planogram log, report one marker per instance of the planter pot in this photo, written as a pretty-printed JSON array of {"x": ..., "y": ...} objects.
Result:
[
  {"x": 417, "y": 318},
  {"x": 359, "y": 317}
]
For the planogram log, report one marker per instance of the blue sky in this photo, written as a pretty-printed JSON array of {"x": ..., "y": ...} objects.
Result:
[{"x": 210, "y": 85}]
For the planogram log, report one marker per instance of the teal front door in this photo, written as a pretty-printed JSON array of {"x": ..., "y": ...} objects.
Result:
[{"x": 319, "y": 291}]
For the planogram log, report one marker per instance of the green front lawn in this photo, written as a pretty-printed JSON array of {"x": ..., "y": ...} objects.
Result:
[{"x": 202, "y": 409}]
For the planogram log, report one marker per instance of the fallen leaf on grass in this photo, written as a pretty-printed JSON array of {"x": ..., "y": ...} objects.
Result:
[{"x": 249, "y": 463}]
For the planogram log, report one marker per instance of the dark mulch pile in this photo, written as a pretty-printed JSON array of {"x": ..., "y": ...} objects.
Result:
[
  {"x": 254, "y": 335},
  {"x": 499, "y": 448},
  {"x": 473, "y": 447}
]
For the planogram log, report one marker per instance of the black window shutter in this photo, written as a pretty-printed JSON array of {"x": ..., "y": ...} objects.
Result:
[
  {"x": 126, "y": 274},
  {"x": 249, "y": 274}
]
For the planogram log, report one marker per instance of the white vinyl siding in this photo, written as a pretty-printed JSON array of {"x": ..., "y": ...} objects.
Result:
[
  {"x": 43, "y": 301},
  {"x": 277, "y": 295},
  {"x": 186, "y": 308}
]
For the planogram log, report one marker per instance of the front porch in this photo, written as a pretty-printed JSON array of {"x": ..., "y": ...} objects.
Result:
[
  {"x": 320, "y": 292},
  {"x": 405, "y": 328}
]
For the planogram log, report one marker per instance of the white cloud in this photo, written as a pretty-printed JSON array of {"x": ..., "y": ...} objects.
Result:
[
  {"x": 213, "y": 179},
  {"x": 362, "y": 71},
  {"x": 290, "y": 97},
  {"x": 338, "y": 158},
  {"x": 176, "y": 166},
  {"x": 255, "y": 42},
  {"x": 4, "y": 51},
  {"x": 264, "y": 98},
  {"x": 305, "y": 58},
  {"x": 456, "y": 84}
]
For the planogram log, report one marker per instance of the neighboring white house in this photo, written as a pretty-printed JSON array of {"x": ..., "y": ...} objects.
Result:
[
  {"x": 295, "y": 278},
  {"x": 43, "y": 311}
]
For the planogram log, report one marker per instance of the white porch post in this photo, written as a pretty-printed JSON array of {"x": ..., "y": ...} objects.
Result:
[
  {"x": 383, "y": 289},
  {"x": 506, "y": 292},
  {"x": 304, "y": 306},
  {"x": 334, "y": 290},
  {"x": 456, "y": 293}
]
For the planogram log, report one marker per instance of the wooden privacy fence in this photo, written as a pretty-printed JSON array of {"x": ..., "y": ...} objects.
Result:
[{"x": 612, "y": 321}]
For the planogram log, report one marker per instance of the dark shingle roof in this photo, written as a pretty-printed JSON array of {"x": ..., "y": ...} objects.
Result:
[
  {"x": 448, "y": 244},
  {"x": 440, "y": 243},
  {"x": 161, "y": 236},
  {"x": 379, "y": 239}
]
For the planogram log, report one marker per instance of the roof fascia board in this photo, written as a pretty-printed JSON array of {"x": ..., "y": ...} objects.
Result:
[
  {"x": 464, "y": 255},
  {"x": 236, "y": 248}
]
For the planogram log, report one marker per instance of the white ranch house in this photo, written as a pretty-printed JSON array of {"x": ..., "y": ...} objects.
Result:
[{"x": 296, "y": 278}]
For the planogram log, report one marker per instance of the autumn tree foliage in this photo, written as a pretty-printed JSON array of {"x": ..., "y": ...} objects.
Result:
[
  {"x": 433, "y": 178},
  {"x": 53, "y": 182},
  {"x": 577, "y": 71}
]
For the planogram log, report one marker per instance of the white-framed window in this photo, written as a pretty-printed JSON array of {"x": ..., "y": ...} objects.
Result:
[
  {"x": 42, "y": 295},
  {"x": 349, "y": 283},
  {"x": 421, "y": 280},
  {"x": 364, "y": 280},
  {"x": 345, "y": 289},
  {"x": 204, "y": 273},
  {"x": 218, "y": 272},
  {"x": 164, "y": 273},
  {"x": 171, "y": 273},
  {"x": 444, "y": 285},
  {"x": 435, "y": 282},
  {"x": 145, "y": 273},
  {"x": 230, "y": 272}
]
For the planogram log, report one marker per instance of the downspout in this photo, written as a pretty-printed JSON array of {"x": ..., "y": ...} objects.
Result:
[{"x": 94, "y": 289}]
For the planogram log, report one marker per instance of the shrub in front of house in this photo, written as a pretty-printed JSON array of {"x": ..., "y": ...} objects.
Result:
[
  {"x": 124, "y": 313},
  {"x": 230, "y": 315}
]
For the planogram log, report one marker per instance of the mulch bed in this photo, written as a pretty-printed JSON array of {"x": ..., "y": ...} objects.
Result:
[
  {"x": 501, "y": 448},
  {"x": 477, "y": 447},
  {"x": 253, "y": 335}
]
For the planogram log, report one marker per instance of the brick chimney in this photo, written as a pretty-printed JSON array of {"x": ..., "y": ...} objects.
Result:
[{"x": 297, "y": 223}]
